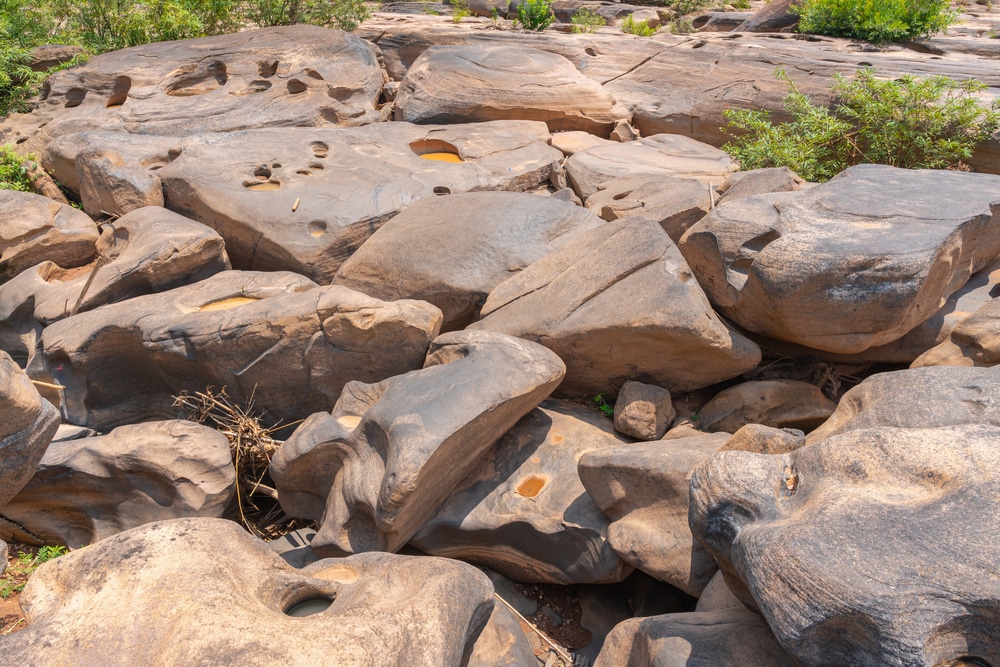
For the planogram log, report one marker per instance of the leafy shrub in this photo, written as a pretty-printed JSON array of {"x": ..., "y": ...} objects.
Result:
[
  {"x": 586, "y": 20},
  {"x": 640, "y": 28},
  {"x": 13, "y": 175},
  {"x": 932, "y": 123},
  {"x": 17, "y": 574},
  {"x": 877, "y": 21},
  {"x": 459, "y": 10},
  {"x": 535, "y": 14}
]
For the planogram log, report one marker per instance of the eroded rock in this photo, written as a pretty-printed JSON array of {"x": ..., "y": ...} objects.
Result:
[
  {"x": 674, "y": 203},
  {"x": 776, "y": 403},
  {"x": 34, "y": 229},
  {"x": 643, "y": 411}
]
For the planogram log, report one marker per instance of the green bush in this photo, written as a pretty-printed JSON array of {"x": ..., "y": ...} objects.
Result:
[
  {"x": 586, "y": 20},
  {"x": 13, "y": 175},
  {"x": 535, "y": 14},
  {"x": 640, "y": 28},
  {"x": 877, "y": 21},
  {"x": 932, "y": 123}
]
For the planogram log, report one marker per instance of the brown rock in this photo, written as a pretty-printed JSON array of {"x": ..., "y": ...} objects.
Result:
[
  {"x": 674, "y": 203},
  {"x": 776, "y": 16},
  {"x": 717, "y": 595},
  {"x": 760, "y": 181},
  {"x": 776, "y": 403},
  {"x": 502, "y": 643},
  {"x": 110, "y": 187},
  {"x": 643, "y": 411},
  {"x": 973, "y": 342},
  {"x": 47, "y": 56},
  {"x": 765, "y": 439},
  {"x": 35, "y": 228}
]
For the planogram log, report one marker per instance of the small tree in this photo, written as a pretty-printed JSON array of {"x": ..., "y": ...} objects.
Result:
[
  {"x": 877, "y": 21},
  {"x": 535, "y": 14}
]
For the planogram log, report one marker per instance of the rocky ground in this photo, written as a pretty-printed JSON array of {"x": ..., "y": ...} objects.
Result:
[{"x": 451, "y": 344}]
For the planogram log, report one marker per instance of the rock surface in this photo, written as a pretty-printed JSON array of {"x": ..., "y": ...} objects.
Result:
[
  {"x": 524, "y": 512},
  {"x": 379, "y": 467},
  {"x": 34, "y": 229},
  {"x": 236, "y": 597},
  {"x": 776, "y": 403},
  {"x": 620, "y": 306},
  {"x": 452, "y": 251},
  {"x": 462, "y": 84},
  {"x": 277, "y": 337},
  {"x": 643, "y": 411},
  {"x": 973, "y": 341},
  {"x": 850, "y": 264},
  {"x": 674, "y": 203},
  {"x": 109, "y": 187},
  {"x": 88, "y": 489}
]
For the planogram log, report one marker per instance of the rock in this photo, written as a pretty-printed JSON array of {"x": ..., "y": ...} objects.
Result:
[
  {"x": 110, "y": 187},
  {"x": 850, "y": 264},
  {"x": 973, "y": 341},
  {"x": 276, "y": 337},
  {"x": 643, "y": 489},
  {"x": 34, "y": 229},
  {"x": 567, "y": 195},
  {"x": 502, "y": 643},
  {"x": 89, "y": 489},
  {"x": 650, "y": 16},
  {"x": 620, "y": 305},
  {"x": 3, "y": 557},
  {"x": 506, "y": 589},
  {"x": 380, "y": 466},
  {"x": 459, "y": 84},
  {"x": 592, "y": 169},
  {"x": 230, "y": 595},
  {"x": 719, "y": 21},
  {"x": 674, "y": 203},
  {"x": 601, "y": 609},
  {"x": 643, "y": 411},
  {"x": 623, "y": 131},
  {"x": 287, "y": 198},
  {"x": 576, "y": 141},
  {"x": 717, "y": 596},
  {"x": 47, "y": 56},
  {"x": 793, "y": 535},
  {"x": 765, "y": 439},
  {"x": 293, "y": 76},
  {"x": 523, "y": 510},
  {"x": 452, "y": 251},
  {"x": 27, "y": 424},
  {"x": 724, "y": 638},
  {"x": 760, "y": 181},
  {"x": 776, "y": 403},
  {"x": 776, "y": 16},
  {"x": 917, "y": 398}
]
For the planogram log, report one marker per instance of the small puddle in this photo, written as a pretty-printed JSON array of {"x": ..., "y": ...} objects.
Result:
[
  {"x": 226, "y": 304},
  {"x": 531, "y": 486},
  {"x": 266, "y": 185},
  {"x": 441, "y": 156}
]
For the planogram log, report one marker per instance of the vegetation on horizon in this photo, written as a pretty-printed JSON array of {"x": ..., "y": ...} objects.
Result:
[
  {"x": 535, "y": 14},
  {"x": 586, "y": 20},
  {"x": 641, "y": 28},
  {"x": 877, "y": 21}
]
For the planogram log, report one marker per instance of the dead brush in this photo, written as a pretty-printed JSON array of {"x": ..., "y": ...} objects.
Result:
[{"x": 252, "y": 447}]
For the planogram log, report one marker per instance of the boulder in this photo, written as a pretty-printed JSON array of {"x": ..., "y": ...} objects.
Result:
[
  {"x": 836, "y": 543},
  {"x": 274, "y": 337},
  {"x": 674, "y": 203},
  {"x": 287, "y": 198},
  {"x": 760, "y": 181},
  {"x": 380, "y": 465},
  {"x": 724, "y": 638},
  {"x": 776, "y": 403},
  {"x": 523, "y": 510},
  {"x": 452, "y": 251},
  {"x": 88, "y": 489},
  {"x": 776, "y": 16},
  {"x": 463, "y": 84},
  {"x": 719, "y": 21},
  {"x": 502, "y": 643},
  {"x": 643, "y": 489},
  {"x": 34, "y": 229},
  {"x": 973, "y": 341},
  {"x": 576, "y": 141},
  {"x": 850, "y": 264},
  {"x": 762, "y": 439},
  {"x": 592, "y": 169},
  {"x": 47, "y": 56},
  {"x": 643, "y": 411},
  {"x": 230, "y": 596},
  {"x": 617, "y": 305},
  {"x": 717, "y": 596},
  {"x": 292, "y": 76},
  {"x": 108, "y": 186},
  {"x": 27, "y": 424}
]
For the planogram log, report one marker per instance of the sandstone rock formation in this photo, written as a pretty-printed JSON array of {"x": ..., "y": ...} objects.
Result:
[
  {"x": 275, "y": 337},
  {"x": 452, "y": 251},
  {"x": 88, "y": 489},
  {"x": 973, "y": 341},
  {"x": 108, "y": 186},
  {"x": 34, "y": 229},
  {"x": 231, "y": 596},
  {"x": 674, "y": 203},
  {"x": 377, "y": 468},
  {"x": 777, "y": 403},
  {"x": 643, "y": 411}
]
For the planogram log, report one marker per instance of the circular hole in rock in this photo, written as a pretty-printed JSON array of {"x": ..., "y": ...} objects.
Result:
[
  {"x": 313, "y": 74},
  {"x": 266, "y": 186},
  {"x": 436, "y": 150},
  {"x": 227, "y": 304},
  {"x": 590, "y": 51},
  {"x": 304, "y": 172},
  {"x": 295, "y": 87},
  {"x": 317, "y": 228},
  {"x": 531, "y": 486},
  {"x": 315, "y": 165},
  {"x": 558, "y": 439},
  {"x": 309, "y": 607},
  {"x": 441, "y": 190},
  {"x": 319, "y": 149},
  {"x": 276, "y": 165},
  {"x": 262, "y": 173}
]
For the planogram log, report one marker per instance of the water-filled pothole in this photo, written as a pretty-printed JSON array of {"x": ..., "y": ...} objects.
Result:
[
  {"x": 264, "y": 186},
  {"x": 531, "y": 486},
  {"x": 310, "y": 607},
  {"x": 226, "y": 304},
  {"x": 436, "y": 150}
]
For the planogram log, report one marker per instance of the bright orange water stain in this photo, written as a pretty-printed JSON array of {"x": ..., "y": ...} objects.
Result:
[
  {"x": 442, "y": 157},
  {"x": 531, "y": 486},
  {"x": 226, "y": 304}
]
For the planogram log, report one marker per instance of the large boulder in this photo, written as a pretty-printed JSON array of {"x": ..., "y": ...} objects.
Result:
[
  {"x": 34, "y": 229},
  {"x": 617, "y": 305},
  {"x": 380, "y": 465},
  {"x": 197, "y": 591},
  {"x": 288, "y": 198},
  {"x": 837, "y": 543},
  {"x": 776, "y": 403},
  {"x": 851, "y": 264},
  {"x": 293, "y": 76},
  {"x": 675, "y": 203},
  {"x": 462, "y": 84},
  {"x": 452, "y": 251},
  {"x": 524, "y": 511},
  {"x": 643, "y": 490},
  {"x": 88, "y": 489},
  {"x": 275, "y": 338}
]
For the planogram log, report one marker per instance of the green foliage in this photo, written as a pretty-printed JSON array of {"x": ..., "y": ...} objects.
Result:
[
  {"x": 535, "y": 14},
  {"x": 877, "y": 21},
  {"x": 13, "y": 175},
  {"x": 17, "y": 573},
  {"x": 459, "y": 10},
  {"x": 603, "y": 406},
  {"x": 687, "y": 7},
  {"x": 741, "y": 4},
  {"x": 640, "y": 28},
  {"x": 586, "y": 20},
  {"x": 932, "y": 123}
]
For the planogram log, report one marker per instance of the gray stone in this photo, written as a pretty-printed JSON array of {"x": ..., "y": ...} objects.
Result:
[
  {"x": 760, "y": 181},
  {"x": 502, "y": 643},
  {"x": 972, "y": 342},
  {"x": 765, "y": 439},
  {"x": 717, "y": 596}
]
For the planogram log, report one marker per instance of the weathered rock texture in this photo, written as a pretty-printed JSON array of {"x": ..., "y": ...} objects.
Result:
[
  {"x": 89, "y": 489},
  {"x": 229, "y": 595},
  {"x": 674, "y": 203},
  {"x": 777, "y": 403},
  {"x": 377, "y": 468},
  {"x": 108, "y": 186},
  {"x": 524, "y": 512},
  {"x": 851, "y": 264},
  {"x": 34, "y": 229},
  {"x": 643, "y": 411},
  {"x": 277, "y": 337},
  {"x": 294, "y": 199},
  {"x": 461, "y": 84},
  {"x": 620, "y": 306},
  {"x": 973, "y": 342},
  {"x": 452, "y": 251}
]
